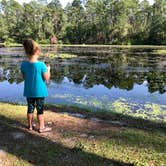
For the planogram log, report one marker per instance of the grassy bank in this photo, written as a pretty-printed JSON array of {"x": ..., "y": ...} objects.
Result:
[
  {"x": 97, "y": 139},
  {"x": 161, "y": 52},
  {"x": 89, "y": 45}
]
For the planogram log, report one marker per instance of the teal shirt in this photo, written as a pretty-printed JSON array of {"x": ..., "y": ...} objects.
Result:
[{"x": 34, "y": 83}]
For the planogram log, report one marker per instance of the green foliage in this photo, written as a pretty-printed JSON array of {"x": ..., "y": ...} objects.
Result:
[
  {"x": 90, "y": 22},
  {"x": 160, "y": 52},
  {"x": 9, "y": 42},
  {"x": 63, "y": 56},
  {"x": 158, "y": 30},
  {"x": 44, "y": 41}
]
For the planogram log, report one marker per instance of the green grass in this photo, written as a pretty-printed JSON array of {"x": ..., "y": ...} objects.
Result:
[
  {"x": 133, "y": 146},
  {"x": 113, "y": 46},
  {"x": 62, "y": 56},
  {"x": 90, "y": 45},
  {"x": 8, "y": 44},
  {"x": 138, "y": 143},
  {"x": 160, "y": 52}
]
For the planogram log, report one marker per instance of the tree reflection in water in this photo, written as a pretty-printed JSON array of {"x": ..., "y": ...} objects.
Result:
[{"x": 111, "y": 70}]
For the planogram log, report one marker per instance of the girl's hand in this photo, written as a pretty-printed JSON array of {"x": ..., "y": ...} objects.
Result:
[
  {"x": 47, "y": 74},
  {"x": 48, "y": 67},
  {"x": 46, "y": 55}
]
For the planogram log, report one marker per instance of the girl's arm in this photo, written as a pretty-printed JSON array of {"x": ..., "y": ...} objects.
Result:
[
  {"x": 47, "y": 74},
  {"x": 22, "y": 75},
  {"x": 22, "y": 70}
]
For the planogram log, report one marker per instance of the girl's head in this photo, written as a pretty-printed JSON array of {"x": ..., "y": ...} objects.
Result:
[{"x": 31, "y": 47}]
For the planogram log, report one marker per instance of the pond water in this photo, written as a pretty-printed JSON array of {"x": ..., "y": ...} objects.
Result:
[{"x": 128, "y": 81}]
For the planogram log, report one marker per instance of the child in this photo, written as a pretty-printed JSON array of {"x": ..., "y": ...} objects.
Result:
[{"x": 35, "y": 73}]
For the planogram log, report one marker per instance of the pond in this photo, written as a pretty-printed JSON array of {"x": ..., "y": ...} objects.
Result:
[{"x": 126, "y": 80}]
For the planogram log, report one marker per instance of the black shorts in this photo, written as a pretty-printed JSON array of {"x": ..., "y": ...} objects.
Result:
[{"x": 37, "y": 103}]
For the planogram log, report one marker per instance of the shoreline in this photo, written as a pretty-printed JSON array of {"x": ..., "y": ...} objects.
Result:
[
  {"x": 89, "y": 45},
  {"x": 100, "y": 116}
]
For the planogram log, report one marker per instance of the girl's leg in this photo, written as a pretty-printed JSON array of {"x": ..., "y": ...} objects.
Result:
[
  {"x": 40, "y": 115},
  {"x": 42, "y": 127},
  {"x": 41, "y": 121},
  {"x": 30, "y": 120},
  {"x": 40, "y": 108},
  {"x": 31, "y": 107}
]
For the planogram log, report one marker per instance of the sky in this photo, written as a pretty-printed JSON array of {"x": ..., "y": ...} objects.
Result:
[{"x": 64, "y": 2}]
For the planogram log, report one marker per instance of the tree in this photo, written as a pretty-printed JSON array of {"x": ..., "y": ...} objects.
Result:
[
  {"x": 56, "y": 17},
  {"x": 85, "y": 21},
  {"x": 141, "y": 25},
  {"x": 98, "y": 18},
  {"x": 75, "y": 26},
  {"x": 4, "y": 28},
  {"x": 11, "y": 11},
  {"x": 158, "y": 31}
]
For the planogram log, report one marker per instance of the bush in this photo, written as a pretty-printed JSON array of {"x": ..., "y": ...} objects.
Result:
[
  {"x": 9, "y": 42},
  {"x": 44, "y": 41}
]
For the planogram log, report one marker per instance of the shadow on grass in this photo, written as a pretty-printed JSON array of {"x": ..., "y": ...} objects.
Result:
[
  {"x": 38, "y": 150},
  {"x": 126, "y": 120}
]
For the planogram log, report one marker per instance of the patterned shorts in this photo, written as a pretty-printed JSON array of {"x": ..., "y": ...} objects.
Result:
[{"x": 37, "y": 103}]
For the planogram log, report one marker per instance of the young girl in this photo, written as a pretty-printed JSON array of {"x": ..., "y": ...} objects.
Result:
[{"x": 35, "y": 73}]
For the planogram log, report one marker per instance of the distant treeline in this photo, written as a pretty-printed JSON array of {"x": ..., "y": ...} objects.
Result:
[{"x": 85, "y": 21}]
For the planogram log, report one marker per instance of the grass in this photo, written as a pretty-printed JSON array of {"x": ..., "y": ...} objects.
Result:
[
  {"x": 91, "y": 45},
  {"x": 62, "y": 56},
  {"x": 160, "y": 52},
  {"x": 106, "y": 46},
  {"x": 139, "y": 142},
  {"x": 11, "y": 44}
]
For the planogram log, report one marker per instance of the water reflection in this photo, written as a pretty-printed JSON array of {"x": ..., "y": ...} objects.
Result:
[
  {"x": 94, "y": 80},
  {"x": 119, "y": 71}
]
